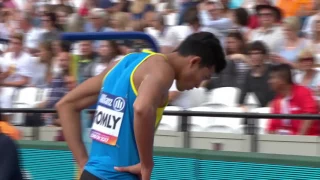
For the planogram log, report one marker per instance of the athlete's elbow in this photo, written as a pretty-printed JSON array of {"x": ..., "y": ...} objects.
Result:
[
  {"x": 62, "y": 104},
  {"x": 59, "y": 105},
  {"x": 141, "y": 110}
]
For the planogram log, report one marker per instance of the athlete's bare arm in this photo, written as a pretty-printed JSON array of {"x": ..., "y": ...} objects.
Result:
[
  {"x": 151, "y": 93},
  {"x": 69, "y": 108}
]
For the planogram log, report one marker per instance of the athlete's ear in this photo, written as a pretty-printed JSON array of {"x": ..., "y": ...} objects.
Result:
[{"x": 194, "y": 61}]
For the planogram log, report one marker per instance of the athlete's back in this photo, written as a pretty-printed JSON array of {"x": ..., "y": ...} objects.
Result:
[{"x": 112, "y": 131}]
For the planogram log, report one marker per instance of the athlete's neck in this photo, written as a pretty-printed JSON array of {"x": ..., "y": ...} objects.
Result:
[{"x": 174, "y": 59}]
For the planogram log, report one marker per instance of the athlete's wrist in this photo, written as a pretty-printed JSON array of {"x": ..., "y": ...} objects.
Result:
[
  {"x": 147, "y": 166},
  {"x": 82, "y": 161}
]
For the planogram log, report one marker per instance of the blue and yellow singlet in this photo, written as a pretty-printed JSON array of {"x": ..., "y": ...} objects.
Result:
[{"x": 112, "y": 132}]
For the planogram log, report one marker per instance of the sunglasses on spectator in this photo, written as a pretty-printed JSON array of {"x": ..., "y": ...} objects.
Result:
[
  {"x": 307, "y": 59},
  {"x": 265, "y": 14}
]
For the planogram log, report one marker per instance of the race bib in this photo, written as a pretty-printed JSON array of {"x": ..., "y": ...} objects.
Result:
[{"x": 108, "y": 119}]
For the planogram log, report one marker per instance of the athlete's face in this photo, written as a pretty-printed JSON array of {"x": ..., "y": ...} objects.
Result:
[{"x": 193, "y": 74}]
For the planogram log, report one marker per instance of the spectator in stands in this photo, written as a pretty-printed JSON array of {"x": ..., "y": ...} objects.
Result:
[
  {"x": 240, "y": 18},
  {"x": 75, "y": 23},
  {"x": 291, "y": 99},
  {"x": 62, "y": 16},
  {"x": 307, "y": 29},
  {"x": 256, "y": 80},
  {"x": 308, "y": 76},
  {"x": 139, "y": 7},
  {"x": 42, "y": 66},
  {"x": 109, "y": 51},
  {"x": 62, "y": 4},
  {"x": 121, "y": 6},
  {"x": 268, "y": 32},
  {"x": 251, "y": 7},
  {"x": 16, "y": 68},
  {"x": 292, "y": 44},
  {"x": 82, "y": 65},
  {"x": 49, "y": 22},
  {"x": 160, "y": 32},
  {"x": 212, "y": 16},
  {"x": 32, "y": 34},
  {"x": 57, "y": 48},
  {"x": 97, "y": 21},
  {"x": 226, "y": 11},
  {"x": 237, "y": 63},
  {"x": 59, "y": 86},
  {"x": 191, "y": 25},
  {"x": 315, "y": 40},
  {"x": 41, "y": 11},
  {"x": 119, "y": 21},
  {"x": 184, "y": 6},
  {"x": 5, "y": 24}
]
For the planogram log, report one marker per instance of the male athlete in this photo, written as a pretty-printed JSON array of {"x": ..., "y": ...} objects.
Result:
[{"x": 131, "y": 95}]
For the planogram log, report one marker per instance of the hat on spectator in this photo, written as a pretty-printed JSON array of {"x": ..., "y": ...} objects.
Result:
[
  {"x": 275, "y": 9},
  {"x": 97, "y": 13},
  {"x": 306, "y": 53}
]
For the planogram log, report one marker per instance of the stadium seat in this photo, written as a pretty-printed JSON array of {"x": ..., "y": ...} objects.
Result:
[
  {"x": 27, "y": 96},
  {"x": 251, "y": 101},
  {"x": 170, "y": 123},
  {"x": 18, "y": 119},
  {"x": 262, "y": 123},
  {"x": 199, "y": 124},
  {"x": 225, "y": 124},
  {"x": 45, "y": 94},
  {"x": 224, "y": 96},
  {"x": 197, "y": 96}
]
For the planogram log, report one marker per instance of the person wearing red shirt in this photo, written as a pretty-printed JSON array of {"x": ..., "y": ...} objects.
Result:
[{"x": 291, "y": 99}]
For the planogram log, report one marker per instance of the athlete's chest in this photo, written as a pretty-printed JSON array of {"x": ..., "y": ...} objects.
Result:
[{"x": 108, "y": 118}]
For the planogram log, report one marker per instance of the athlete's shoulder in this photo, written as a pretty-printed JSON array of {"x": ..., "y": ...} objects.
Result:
[{"x": 159, "y": 63}]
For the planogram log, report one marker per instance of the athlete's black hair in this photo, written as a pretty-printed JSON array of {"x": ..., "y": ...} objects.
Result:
[{"x": 207, "y": 47}]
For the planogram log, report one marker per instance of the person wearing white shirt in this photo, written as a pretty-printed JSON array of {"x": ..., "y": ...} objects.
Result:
[
  {"x": 32, "y": 34},
  {"x": 16, "y": 70},
  {"x": 269, "y": 33},
  {"x": 211, "y": 15},
  {"x": 192, "y": 25},
  {"x": 109, "y": 51},
  {"x": 160, "y": 32}
]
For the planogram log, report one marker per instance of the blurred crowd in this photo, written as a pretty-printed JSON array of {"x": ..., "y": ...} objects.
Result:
[{"x": 256, "y": 35}]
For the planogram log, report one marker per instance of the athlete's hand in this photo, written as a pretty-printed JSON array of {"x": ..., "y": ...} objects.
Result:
[
  {"x": 143, "y": 173},
  {"x": 134, "y": 169}
]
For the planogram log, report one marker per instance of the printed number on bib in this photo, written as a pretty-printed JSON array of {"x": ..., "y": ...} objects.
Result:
[{"x": 108, "y": 119}]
